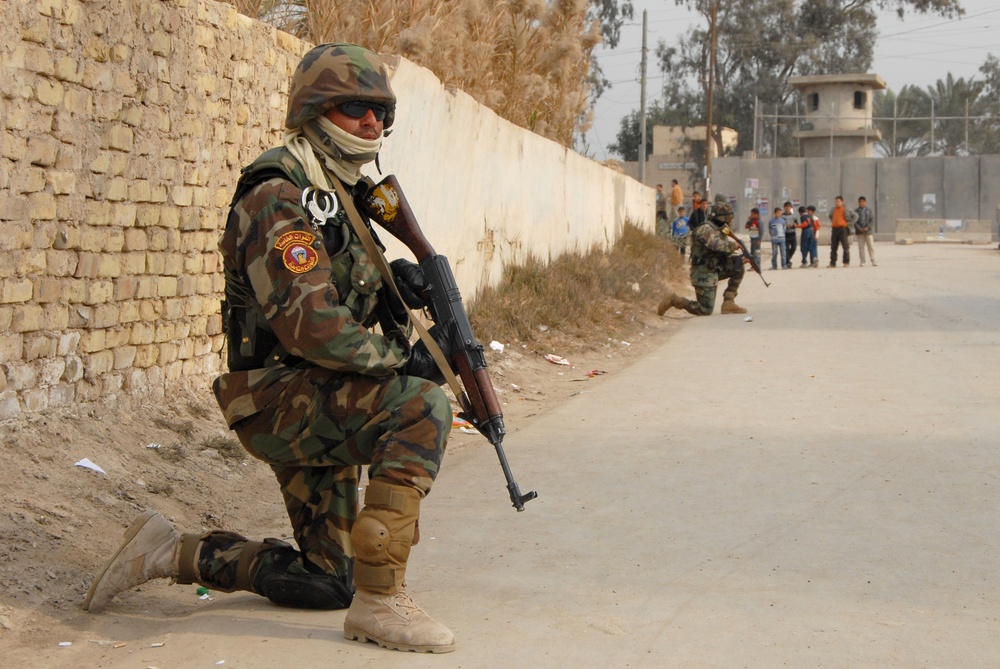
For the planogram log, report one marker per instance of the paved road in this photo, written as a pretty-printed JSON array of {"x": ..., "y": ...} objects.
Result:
[{"x": 816, "y": 488}]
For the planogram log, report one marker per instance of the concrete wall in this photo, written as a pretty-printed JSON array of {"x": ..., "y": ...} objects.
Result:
[
  {"x": 124, "y": 125},
  {"x": 892, "y": 199},
  {"x": 989, "y": 190},
  {"x": 961, "y": 189},
  {"x": 936, "y": 187},
  {"x": 820, "y": 145},
  {"x": 927, "y": 188}
]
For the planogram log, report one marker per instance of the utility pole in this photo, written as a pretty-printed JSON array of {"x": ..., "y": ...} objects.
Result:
[
  {"x": 642, "y": 106},
  {"x": 711, "y": 90}
]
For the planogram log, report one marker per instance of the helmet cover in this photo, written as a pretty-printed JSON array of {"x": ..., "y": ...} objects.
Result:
[
  {"x": 330, "y": 74},
  {"x": 722, "y": 213}
]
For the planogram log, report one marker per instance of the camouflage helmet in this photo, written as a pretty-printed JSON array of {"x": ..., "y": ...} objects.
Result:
[
  {"x": 722, "y": 213},
  {"x": 330, "y": 74}
]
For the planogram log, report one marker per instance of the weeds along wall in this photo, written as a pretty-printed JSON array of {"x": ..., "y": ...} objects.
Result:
[{"x": 124, "y": 126}]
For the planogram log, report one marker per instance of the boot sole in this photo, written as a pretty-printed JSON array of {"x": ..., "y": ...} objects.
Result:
[
  {"x": 355, "y": 634},
  {"x": 130, "y": 533}
]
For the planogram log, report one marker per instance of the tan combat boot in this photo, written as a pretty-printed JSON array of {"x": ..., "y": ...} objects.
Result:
[
  {"x": 729, "y": 306},
  {"x": 382, "y": 611},
  {"x": 665, "y": 303},
  {"x": 152, "y": 549}
]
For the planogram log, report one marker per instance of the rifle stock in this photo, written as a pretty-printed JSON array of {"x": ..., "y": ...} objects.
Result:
[{"x": 387, "y": 206}]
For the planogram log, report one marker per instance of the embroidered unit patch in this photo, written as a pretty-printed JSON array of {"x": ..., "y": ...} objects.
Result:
[{"x": 297, "y": 252}]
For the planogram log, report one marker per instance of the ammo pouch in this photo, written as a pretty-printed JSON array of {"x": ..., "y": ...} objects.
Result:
[{"x": 250, "y": 342}]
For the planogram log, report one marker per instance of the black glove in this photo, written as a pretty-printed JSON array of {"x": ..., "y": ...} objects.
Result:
[
  {"x": 410, "y": 280},
  {"x": 421, "y": 363}
]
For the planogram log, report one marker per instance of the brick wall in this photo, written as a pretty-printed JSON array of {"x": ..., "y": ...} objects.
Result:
[{"x": 124, "y": 124}]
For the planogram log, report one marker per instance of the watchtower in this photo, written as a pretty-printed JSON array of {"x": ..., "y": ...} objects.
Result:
[{"x": 838, "y": 115}]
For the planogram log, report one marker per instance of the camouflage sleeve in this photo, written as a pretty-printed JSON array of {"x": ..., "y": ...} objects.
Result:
[
  {"x": 288, "y": 271},
  {"x": 715, "y": 240}
]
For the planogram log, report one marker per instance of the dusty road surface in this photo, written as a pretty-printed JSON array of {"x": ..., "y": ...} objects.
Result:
[{"x": 819, "y": 487}]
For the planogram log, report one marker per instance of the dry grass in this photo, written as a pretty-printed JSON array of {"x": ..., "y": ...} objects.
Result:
[
  {"x": 579, "y": 294},
  {"x": 228, "y": 447},
  {"x": 528, "y": 60}
]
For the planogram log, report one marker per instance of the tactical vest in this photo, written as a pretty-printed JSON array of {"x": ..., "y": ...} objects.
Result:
[
  {"x": 251, "y": 342},
  {"x": 701, "y": 254}
]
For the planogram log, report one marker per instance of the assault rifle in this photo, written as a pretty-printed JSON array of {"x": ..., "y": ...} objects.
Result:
[
  {"x": 746, "y": 254},
  {"x": 387, "y": 206}
]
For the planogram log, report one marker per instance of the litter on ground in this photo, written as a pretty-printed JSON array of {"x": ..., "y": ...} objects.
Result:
[{"x": 87, "y": 464}]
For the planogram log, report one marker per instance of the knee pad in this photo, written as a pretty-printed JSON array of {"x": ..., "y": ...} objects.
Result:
[
  {"x": 370, "y": 538},
  {"x": 383, "y": 534}
]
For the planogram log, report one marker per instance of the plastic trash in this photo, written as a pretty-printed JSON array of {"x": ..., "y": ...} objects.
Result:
[{"x": 87, "y": 464}]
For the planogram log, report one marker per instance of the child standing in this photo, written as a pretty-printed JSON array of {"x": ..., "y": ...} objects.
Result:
[
  {"x": 679, "y": 231},
  {"x": 791, "y": 225},
  {"x": 753, "y": 225},
  {"x": 809, "y": 226},
  {"x": 776, "y": 231}
]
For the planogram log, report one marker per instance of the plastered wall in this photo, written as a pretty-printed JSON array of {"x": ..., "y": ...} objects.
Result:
[{"x": 124, "y": 125}]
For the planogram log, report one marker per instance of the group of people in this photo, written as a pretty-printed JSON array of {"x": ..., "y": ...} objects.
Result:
[
  {"x": 844, "y": 223},
  {"x": 716, "y": 255}
]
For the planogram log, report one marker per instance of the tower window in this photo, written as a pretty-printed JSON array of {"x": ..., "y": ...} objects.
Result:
[
  {"x": 860, "y": 99},
  {"x": 812, "y": 102}
]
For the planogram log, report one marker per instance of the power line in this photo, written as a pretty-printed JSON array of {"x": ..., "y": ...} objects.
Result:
[{"x": 941, "y": 23}]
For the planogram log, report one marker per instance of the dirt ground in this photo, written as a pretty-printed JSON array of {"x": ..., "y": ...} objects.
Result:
[{"x": 177, "y": 457}]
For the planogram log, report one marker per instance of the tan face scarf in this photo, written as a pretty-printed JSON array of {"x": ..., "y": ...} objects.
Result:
[{"x": 341, "y": 153}]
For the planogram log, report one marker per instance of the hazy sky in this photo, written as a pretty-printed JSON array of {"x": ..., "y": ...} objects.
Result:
[{"x": 918, "y": 50}]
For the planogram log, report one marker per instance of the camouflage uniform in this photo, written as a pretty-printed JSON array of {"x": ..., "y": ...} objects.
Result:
[
  {"x": 711, "y": 259},
  {"x": 311, "y": 389}
]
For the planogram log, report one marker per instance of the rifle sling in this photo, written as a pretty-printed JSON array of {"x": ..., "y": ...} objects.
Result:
[{"x": 375, "y": 253}]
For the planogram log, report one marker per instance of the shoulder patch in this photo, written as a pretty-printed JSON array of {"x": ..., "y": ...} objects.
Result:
[{"x": 297, "y": 252}]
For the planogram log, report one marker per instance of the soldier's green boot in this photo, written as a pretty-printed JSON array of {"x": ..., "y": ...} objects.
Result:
[{"x": 382, "y": 611}]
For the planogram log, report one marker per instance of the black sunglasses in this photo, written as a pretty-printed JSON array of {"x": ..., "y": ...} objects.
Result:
[{"x": 358, "y": 109}]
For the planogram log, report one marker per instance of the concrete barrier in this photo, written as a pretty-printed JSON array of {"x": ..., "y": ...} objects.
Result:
[{"x": 944, "y": 230}]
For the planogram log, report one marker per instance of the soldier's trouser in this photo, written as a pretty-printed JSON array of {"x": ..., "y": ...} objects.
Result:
[
  {"x": 320, "y": 428},
  {"x": 705, "y": 282}
]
